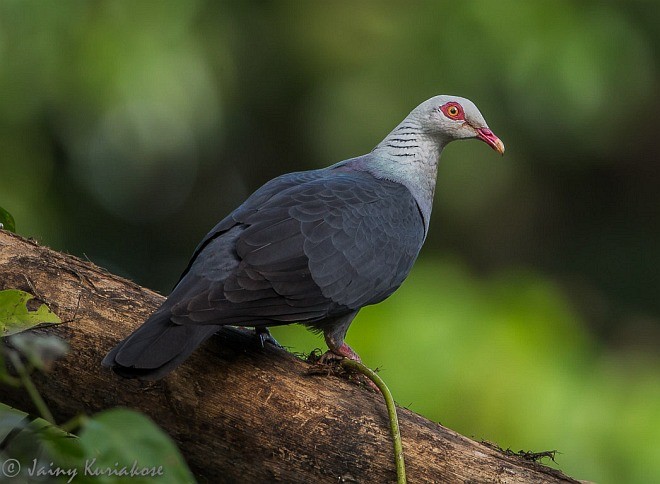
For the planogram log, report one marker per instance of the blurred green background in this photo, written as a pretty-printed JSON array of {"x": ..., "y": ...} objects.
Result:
[{"x": 532, "y": 319}]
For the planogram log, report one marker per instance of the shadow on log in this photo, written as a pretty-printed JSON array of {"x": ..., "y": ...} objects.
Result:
[{"x": 239, "y": 413}]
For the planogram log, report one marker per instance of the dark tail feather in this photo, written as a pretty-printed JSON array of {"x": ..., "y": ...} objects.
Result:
[{"x": 157, "y": 347}]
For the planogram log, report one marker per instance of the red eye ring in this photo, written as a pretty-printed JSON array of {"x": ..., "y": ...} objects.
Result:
[{"x": 453, "y": 110}]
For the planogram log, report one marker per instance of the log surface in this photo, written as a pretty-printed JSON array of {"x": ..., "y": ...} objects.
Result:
[{"x": 238, "y": 413}]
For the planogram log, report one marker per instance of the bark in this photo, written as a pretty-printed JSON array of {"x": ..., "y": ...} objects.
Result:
[{"x": 238, "y": 413}]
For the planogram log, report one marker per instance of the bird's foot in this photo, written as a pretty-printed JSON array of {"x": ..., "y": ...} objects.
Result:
[
  {"x": 264, "y": 336},
  {"x": 338, "y": 353},
  {"x": 346, "y": 351},
  {"x": 332, "y": 359},
  {"x": 260, "y": 334},
  {"x": 329, "y": 358}
]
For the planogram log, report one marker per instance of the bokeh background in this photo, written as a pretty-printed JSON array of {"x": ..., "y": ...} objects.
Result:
[{"x": 532, "y": 319}]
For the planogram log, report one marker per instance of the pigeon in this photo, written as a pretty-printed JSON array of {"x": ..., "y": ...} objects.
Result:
[{"x": 310, "y": 247}]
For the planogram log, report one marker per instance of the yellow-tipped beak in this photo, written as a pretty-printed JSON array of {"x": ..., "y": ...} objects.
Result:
[{"x": 488, "y": 137}]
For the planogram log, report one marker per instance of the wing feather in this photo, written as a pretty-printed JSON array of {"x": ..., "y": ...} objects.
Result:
[{"x": 317, "y": 247}]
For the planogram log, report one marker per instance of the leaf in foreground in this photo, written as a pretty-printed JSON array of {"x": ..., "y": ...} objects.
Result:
[
  {"x": 15, "y": 315},
  {"x": 118, "y": 445},
  {"x": 7, "y": 221},
  {"x": 35, "y": 443},
  {"x": 124, "y": 441}
]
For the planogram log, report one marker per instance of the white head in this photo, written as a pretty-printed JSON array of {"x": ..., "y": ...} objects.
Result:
[
  {"x": 451, "y": 117},
  {"x": 409, "y": 153}
]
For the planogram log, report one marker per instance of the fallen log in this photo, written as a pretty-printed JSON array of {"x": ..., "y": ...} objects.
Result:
[{"x": 238, "y": 412}]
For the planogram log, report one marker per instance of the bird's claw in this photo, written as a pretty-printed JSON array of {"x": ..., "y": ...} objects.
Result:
[
  {"x": 329, "y": 358},
  {"x": 264, "y": 337},
  {"x": 332, "y": 359}
]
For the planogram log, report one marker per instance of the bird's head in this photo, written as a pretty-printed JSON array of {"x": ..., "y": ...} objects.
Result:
[{"x": 452, "y": 117}]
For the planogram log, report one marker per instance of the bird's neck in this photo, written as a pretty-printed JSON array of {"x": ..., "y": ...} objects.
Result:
[{"x": 410, "y": 157}]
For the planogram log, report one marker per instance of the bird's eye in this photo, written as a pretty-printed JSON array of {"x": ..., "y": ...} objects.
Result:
[{"x": 452, "y": 110}]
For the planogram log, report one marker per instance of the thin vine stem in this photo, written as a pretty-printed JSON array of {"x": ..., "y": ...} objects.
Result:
[
  {"x": 24, "y": 376},
  {"x": 391, "y": 411}
]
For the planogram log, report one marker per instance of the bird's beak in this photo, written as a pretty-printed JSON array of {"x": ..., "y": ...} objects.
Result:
[{"x": 488, "y": 137}]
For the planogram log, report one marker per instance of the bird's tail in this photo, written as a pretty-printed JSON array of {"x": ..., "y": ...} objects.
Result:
[{"x": 157, "y": 347}]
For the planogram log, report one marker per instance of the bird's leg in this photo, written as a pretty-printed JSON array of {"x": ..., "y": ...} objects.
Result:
[
  {"x": 346, "y": 351},
  {"x": 335, "y": 332},
  {"x": 339, "y": 351},
  {"x": 334, "y": 337},
  {"x": 264, "y": 336}
]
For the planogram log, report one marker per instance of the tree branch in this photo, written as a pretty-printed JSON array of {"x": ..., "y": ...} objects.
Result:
[{"x": 237, "y": 412}]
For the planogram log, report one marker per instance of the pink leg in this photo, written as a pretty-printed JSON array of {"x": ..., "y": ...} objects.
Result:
[
  {"x": 336, "y": 344},
  {"x": 346, "y": 351}
]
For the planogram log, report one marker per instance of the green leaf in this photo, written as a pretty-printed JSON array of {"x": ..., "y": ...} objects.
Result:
[
  {"x": 124, "y": 441},
  {"x": 15, "y": 315},
  {"x": 7, "y": 221},
  {"x": 32, "y": 441},
  {"x": 111, "y": 445},
  {"x": 10, "y": 419}
]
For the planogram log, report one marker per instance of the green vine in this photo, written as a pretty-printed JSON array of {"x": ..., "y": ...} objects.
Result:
[
  {"x": 24, "y": 376},
  {"x": 391, "y": 411}
]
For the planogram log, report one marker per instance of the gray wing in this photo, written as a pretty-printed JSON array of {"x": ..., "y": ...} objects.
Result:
[
  {"x": 259, "y": 198},
  {"x": 323, "y": 244}
]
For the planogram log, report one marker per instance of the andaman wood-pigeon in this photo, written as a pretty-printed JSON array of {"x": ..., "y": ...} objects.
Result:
[{"x": 310, "y": 247}]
